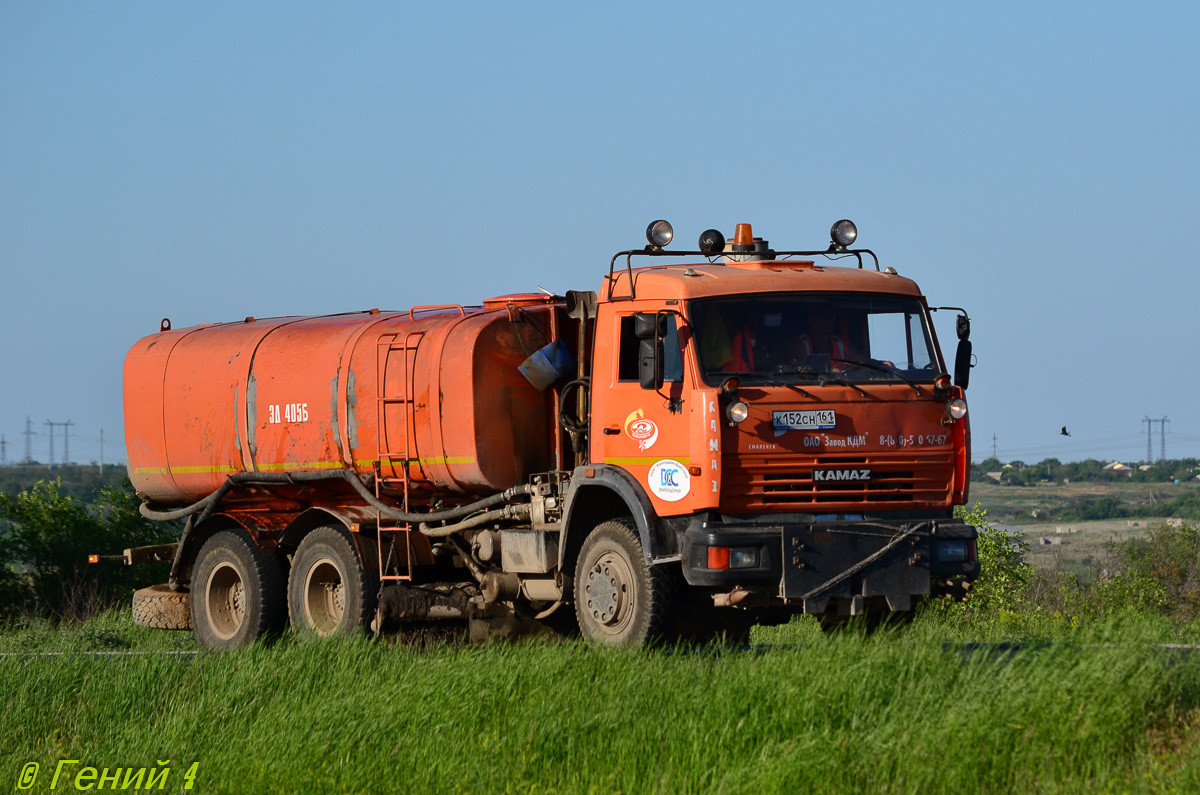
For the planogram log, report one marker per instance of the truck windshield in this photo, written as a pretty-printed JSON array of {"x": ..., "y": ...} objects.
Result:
[{"x": 813, "y": 337}]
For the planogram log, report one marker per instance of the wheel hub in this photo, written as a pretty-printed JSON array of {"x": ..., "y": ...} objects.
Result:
[
  {"x": 225, "y": 595},
  {"x": 605, "y": 593},
  {"x": 324, "y": 596}
]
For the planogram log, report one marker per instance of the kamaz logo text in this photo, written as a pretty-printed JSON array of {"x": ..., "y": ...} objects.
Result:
[{"x": 826, "y": 475}]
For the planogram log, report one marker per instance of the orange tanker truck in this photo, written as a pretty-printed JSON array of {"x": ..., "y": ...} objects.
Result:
[{"x": 722, "y": 437}]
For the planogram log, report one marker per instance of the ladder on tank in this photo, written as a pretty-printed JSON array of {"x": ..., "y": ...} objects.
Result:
[
  {"x": 383, "y": 351},
  {"x": 385, "y": 347}
]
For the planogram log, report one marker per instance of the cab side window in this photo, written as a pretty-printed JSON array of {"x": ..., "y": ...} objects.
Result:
[{"x": 627, "y": 364}]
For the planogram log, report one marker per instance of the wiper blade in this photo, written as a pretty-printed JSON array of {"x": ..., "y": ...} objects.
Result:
[
  {"x": 883, "y": 369},
  {"x": 826, "y": 378},
  {"x": 802, "y": 391}
]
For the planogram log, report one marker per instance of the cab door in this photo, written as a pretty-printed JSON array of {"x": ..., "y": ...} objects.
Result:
[{"x": 646, "y": 432}]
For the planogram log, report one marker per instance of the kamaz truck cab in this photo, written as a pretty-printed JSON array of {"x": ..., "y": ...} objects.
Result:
[{"x": 786, "y": 430}]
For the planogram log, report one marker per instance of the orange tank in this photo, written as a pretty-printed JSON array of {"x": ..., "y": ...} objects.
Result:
[{"x": 438, "y": 388}]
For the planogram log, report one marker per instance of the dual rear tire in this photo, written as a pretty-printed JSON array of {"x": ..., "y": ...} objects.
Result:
[
  {"x": 328, "y": 591},
  {"x": 238, "y": 595}
]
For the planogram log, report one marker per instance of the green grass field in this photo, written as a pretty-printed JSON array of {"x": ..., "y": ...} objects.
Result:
[
  {"x": 1104, "y": 709},
  {"x": 1093, "y": 698}
]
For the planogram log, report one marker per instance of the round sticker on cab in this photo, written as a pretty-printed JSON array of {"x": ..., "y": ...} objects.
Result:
[
  {"x": 645, "y": 432},
  {"x": 669, "y": 480}
]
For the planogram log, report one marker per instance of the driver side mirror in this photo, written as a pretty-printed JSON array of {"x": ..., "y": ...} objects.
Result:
[
  {"x": 650, "y": 364},
  {"x": 650, "y": 325},
  {"x": 650, "y": 328}
]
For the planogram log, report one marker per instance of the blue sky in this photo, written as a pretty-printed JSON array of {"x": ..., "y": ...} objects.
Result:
[{"x": 1034, "y": 163}]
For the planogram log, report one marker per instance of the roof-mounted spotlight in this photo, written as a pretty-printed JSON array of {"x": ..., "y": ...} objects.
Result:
[
  {"x": 712, "y": 242},
  {"x": 842, "y": 235},
  {"x": 659, "y": 233}
]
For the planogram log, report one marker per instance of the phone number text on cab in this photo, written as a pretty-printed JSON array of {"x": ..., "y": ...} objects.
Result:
[{"x": 914, "y": 440}]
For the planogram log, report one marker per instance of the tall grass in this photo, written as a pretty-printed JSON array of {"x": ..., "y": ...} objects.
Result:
[
  {"x": 895, "y": 712},
  {"x": 1089, "y": 700}
]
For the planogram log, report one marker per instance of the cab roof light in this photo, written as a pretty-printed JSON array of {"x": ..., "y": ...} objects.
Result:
[
  {"x": 743, "y": 236},
  {"x": 660, "y": 234},
  {"x": 712, "y": 242},
  {"x": 842, "y": 235}
]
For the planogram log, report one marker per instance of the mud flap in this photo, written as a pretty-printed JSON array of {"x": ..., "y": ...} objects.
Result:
[{"x": 815, "y": 555}]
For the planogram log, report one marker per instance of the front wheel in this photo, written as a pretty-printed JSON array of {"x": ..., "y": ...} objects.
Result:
[{"x": 620, "y": 599}]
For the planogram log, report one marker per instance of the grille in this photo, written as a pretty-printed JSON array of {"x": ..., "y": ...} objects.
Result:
[{"x": 785, "y": 483}]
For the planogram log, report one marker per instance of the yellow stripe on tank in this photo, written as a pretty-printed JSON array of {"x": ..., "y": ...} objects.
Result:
[{"x": 293, "y": 466}]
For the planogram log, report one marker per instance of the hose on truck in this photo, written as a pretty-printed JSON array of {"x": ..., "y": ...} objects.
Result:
[
  {"x": 207, "y": 506},
  {"x": 508, "y": 512}
]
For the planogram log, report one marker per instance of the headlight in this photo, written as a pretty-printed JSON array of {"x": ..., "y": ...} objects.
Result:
[
  {"x": 743, "y": 558},
  {"x": 952, "y": 551},
  {"x": 957, "y": 409},
  {"x": 737, "y": 412}
]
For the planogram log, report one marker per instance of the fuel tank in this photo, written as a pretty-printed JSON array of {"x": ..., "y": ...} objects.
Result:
[{"x": 431, "y": 394}]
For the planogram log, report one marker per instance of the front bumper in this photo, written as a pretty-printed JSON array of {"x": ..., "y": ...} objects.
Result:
[{"x": 808, "y": 563}]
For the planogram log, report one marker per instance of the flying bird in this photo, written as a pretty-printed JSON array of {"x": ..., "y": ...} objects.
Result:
[{"x": 1064, "y": 431}]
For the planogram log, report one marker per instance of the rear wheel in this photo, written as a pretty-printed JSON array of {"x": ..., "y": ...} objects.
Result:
[
  {"x": 620, "y": 599},
  {"x": 237, "y": 593},
  {"x": 329, "y": 593}
]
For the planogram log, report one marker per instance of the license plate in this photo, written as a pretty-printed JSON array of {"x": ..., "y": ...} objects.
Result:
[{"x": 823, "y": 420}]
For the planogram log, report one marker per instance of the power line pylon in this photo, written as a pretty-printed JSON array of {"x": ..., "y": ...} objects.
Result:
[
  {"x": 29, "y": 433},
  {"x": 51, "y": 425},
  {"x": 66, "y": 426}
]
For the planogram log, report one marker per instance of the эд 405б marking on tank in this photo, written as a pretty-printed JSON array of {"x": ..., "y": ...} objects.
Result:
[{"x": 721, "y": 437}]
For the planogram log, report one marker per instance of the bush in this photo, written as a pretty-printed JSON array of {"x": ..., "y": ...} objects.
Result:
[
  {"x": 1158, "y": 573},
  {"x": 45, "y": 538},
  {"x": 1003, "y": 583},
  {"x": 1004, "y": 576}
]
